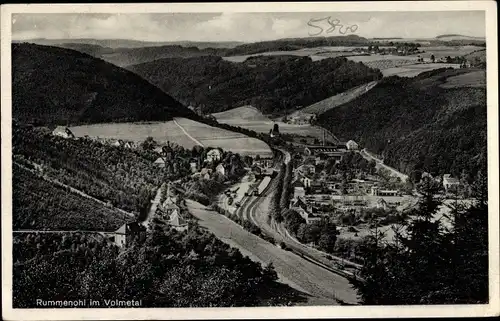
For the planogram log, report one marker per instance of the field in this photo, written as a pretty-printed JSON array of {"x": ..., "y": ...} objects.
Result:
[
  {"x": 416, "y": 69},
  {"x": 337, "y": 100},
  {"x": 250, "y": 118},
  {"x": 182, "y": 131},
  {"x": 445, "y": 51},
  {"x": 137, "y": 132},
  {"x": 315, "y": 54},
  {"x": 471, "y": 79}
]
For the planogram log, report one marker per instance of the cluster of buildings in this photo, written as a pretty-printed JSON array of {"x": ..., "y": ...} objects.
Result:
[
  {"x": 170, "y": 212},
  {"x": 66, "y": 133},
  {"x": 300, "y": 118},
  {"x": 317, "y": 194},
  {"x": 200, "y": 167}
]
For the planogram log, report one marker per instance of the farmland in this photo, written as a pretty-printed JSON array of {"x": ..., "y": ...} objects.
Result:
[
  {"x": 182, "y": 131},
  {"x": 315, "y": 54},
  {"x": 416, "y": 69},
  {"x": 445, "y": 51},
  {"x": 250, "y": 118}
]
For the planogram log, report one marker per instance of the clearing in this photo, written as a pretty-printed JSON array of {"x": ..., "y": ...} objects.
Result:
[
  {"x": 251, "y": 118},
  {"x": 182, "y": 131},
  {"x": 337, "y": 100},
  {"x": 471, "y": 79}
]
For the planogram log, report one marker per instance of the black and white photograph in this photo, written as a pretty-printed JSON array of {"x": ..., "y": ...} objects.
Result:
[{"x": 316, "y": 159}]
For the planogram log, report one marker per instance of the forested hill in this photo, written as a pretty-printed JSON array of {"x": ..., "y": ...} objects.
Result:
[
  {"x": 270, "y": 83},
  {"x": 52, "y": 85},
  {"x": 415, "y": 123}
]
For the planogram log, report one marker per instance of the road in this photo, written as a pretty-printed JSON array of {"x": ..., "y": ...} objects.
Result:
[
  {"x": 379, "y": 164},
  {"x": 154, "y": 206},
  {"x": 301, "y": 274}
]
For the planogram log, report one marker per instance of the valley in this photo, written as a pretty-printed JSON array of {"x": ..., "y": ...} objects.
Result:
[{"x": 269, "y": 173}]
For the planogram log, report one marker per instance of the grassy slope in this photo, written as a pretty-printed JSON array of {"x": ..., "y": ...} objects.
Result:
[
  {"x": 60, "y": 86},
  {"x": 415, "y": 123}
]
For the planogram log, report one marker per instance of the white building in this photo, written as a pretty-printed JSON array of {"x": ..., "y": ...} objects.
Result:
[
  {"x": 298, "y": 192},
  {"x": 63, "y": 132},
  {"x": 159, "y": 162},
  {"x": 213, "y": 155},
  {"x": 220, "y": 169},
  {"x": 352, "y": 145},
  {"x": 450, "y": 183}
]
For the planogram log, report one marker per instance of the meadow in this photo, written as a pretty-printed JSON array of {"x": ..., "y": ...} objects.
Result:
[
  {"x": 182, "y": 131},
  {"x": 445, "y": 51},
  {"x": 415, "y": 69},
  {"x": 250, "y": 118}
]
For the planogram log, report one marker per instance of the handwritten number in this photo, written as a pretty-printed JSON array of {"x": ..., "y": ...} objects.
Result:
[
  {"x": 314, "y": 26},
  {"x": 333, "y": 26}
]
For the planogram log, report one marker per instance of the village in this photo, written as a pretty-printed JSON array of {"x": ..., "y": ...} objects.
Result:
[
  {"x": 339, "y": 184},
  {"x": 330, "y": 181}
]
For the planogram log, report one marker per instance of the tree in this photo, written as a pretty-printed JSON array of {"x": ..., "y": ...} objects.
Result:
[
  {"x": 433, "y": 59},
  {"x": 428, "y": 263},
  {"x": 149, "y": 144}
]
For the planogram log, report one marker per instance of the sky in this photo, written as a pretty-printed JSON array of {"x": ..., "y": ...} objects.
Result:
[{"x": 244, "y": 27}]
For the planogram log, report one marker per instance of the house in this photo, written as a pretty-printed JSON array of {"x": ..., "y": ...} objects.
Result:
[
  {"x": 352, "y": 145},
  {"x": 206, "y": 173},
  {"x": 213, "y": 155},
  {"x": 298, "y": 192},
  {"x": 450, "y": 183},
  {"x": 129, "y": 145},
  {"x": 169, "y": 201},
  {"x": 311, "y": 218},
  {"x": 159, "y": 162},
  {"x": 220, "y": 169},
  {"x": 320, "y": 159},
  {"x": 375, "y": 191},
  {"x": 307, "y": 169},
  {"x": 126, "y": 233},
  {"x": 264, "y": 162},
  {"x": 193, "y": 166},
  {"x": 63, "y": 132},
  {"x": 304, "y": 210},
  {"x": 316, "y": 186},
  {"x": 177, "y": 222},
  {"x": 301, "y": 118},
  {"x": 306, "y": 181}
]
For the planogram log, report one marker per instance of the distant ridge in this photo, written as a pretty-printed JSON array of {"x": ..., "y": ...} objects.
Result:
[
  {"x": 128, "y": 43},
  {"x": 459, "y": 37}
]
